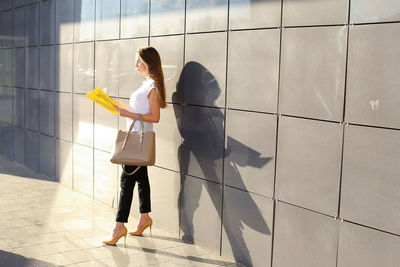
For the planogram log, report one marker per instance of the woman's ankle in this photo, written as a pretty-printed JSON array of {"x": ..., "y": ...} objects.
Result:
[
  {"x": 144, "y": 216},
  {"x": 118, "y": 225}
]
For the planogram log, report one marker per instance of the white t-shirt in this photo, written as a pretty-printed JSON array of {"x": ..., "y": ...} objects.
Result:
[{"x": 140, "y": 104}]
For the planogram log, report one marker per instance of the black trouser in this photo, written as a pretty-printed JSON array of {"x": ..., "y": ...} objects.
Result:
[{"x": 127, "y": 186}]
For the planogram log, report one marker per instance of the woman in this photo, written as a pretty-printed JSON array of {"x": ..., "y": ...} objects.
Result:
[{"x": 147, "y": 100}]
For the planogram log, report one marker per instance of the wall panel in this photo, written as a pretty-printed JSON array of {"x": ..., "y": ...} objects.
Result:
[
  {"x": 308, "y": 164},
  {"x": 253, "y": 60},
  {"x": 372, "y": 81},
  {"x": 313, "y": 72},
  {"x": 370, "y": 178},
  {"x": 309, "y": 238}
]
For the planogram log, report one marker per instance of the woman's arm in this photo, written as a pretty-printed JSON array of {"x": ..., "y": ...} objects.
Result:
[{"x": 153, "y": 116}]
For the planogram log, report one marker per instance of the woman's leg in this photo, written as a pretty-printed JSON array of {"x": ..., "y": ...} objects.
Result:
[
  {"x": 126, "y": 195},
  {"x": 144, "y": 195},
  {"x": 124, "y": 207}
]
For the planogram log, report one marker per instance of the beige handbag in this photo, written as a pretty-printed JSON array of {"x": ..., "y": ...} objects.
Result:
[{"x": 134, "y": 148}]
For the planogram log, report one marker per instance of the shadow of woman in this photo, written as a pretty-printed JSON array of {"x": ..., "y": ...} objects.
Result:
[
  {"x": 201, "y": 154},
  {"x": 12, "y": 259}
]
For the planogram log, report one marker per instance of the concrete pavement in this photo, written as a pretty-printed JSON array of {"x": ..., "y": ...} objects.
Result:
[{"x": 43, "y": 223}]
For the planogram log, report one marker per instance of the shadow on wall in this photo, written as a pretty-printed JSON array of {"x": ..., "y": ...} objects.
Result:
[{"x": 201, "y": 153}]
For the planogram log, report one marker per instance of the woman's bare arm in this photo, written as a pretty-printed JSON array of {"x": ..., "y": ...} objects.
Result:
[{"x": 153, "y": 116}]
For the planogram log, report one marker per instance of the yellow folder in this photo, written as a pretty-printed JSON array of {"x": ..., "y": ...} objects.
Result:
[{"x": 101, "y": 98}]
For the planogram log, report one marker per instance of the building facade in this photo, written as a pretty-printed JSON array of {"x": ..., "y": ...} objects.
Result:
[{"x": 280, "y": 145}]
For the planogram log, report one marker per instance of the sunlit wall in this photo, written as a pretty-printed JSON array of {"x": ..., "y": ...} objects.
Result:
[{"x": 280, "y": 144}]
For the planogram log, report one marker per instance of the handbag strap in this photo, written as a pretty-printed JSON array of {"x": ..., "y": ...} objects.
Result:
[
  {"x": 133, "y": 123},
  {"x": 130, "y": 130},
  {"x": 123, "y": 169}
]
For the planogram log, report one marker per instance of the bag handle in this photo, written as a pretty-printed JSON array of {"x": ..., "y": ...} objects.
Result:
[
  {"x": 130, "y": 130},
  {"x": 123, "y": 169},
  {"x": 133, "y": 124}
]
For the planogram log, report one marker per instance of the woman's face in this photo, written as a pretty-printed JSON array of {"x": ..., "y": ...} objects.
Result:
[{"x": 140, "y": 67}]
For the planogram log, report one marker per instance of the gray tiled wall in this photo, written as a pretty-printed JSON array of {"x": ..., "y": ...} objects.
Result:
[{"x": 280, "y": 145}]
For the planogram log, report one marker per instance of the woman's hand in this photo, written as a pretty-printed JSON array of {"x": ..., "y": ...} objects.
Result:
[
  {"x": 125, "y": 113},
  {"x": 120, "y": 104},
  {"x": 123, "y": 109}
]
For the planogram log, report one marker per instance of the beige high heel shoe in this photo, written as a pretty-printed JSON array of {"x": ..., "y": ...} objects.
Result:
[
  {"x": 121, "y": 233},
  {"x": 139, "y": 231}
]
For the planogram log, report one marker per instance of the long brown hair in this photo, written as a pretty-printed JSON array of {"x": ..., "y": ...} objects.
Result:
[{"x": 151, "y": 58}]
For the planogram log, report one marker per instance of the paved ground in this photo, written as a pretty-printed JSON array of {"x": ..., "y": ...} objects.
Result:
[{"x": 43, "y": 223}]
